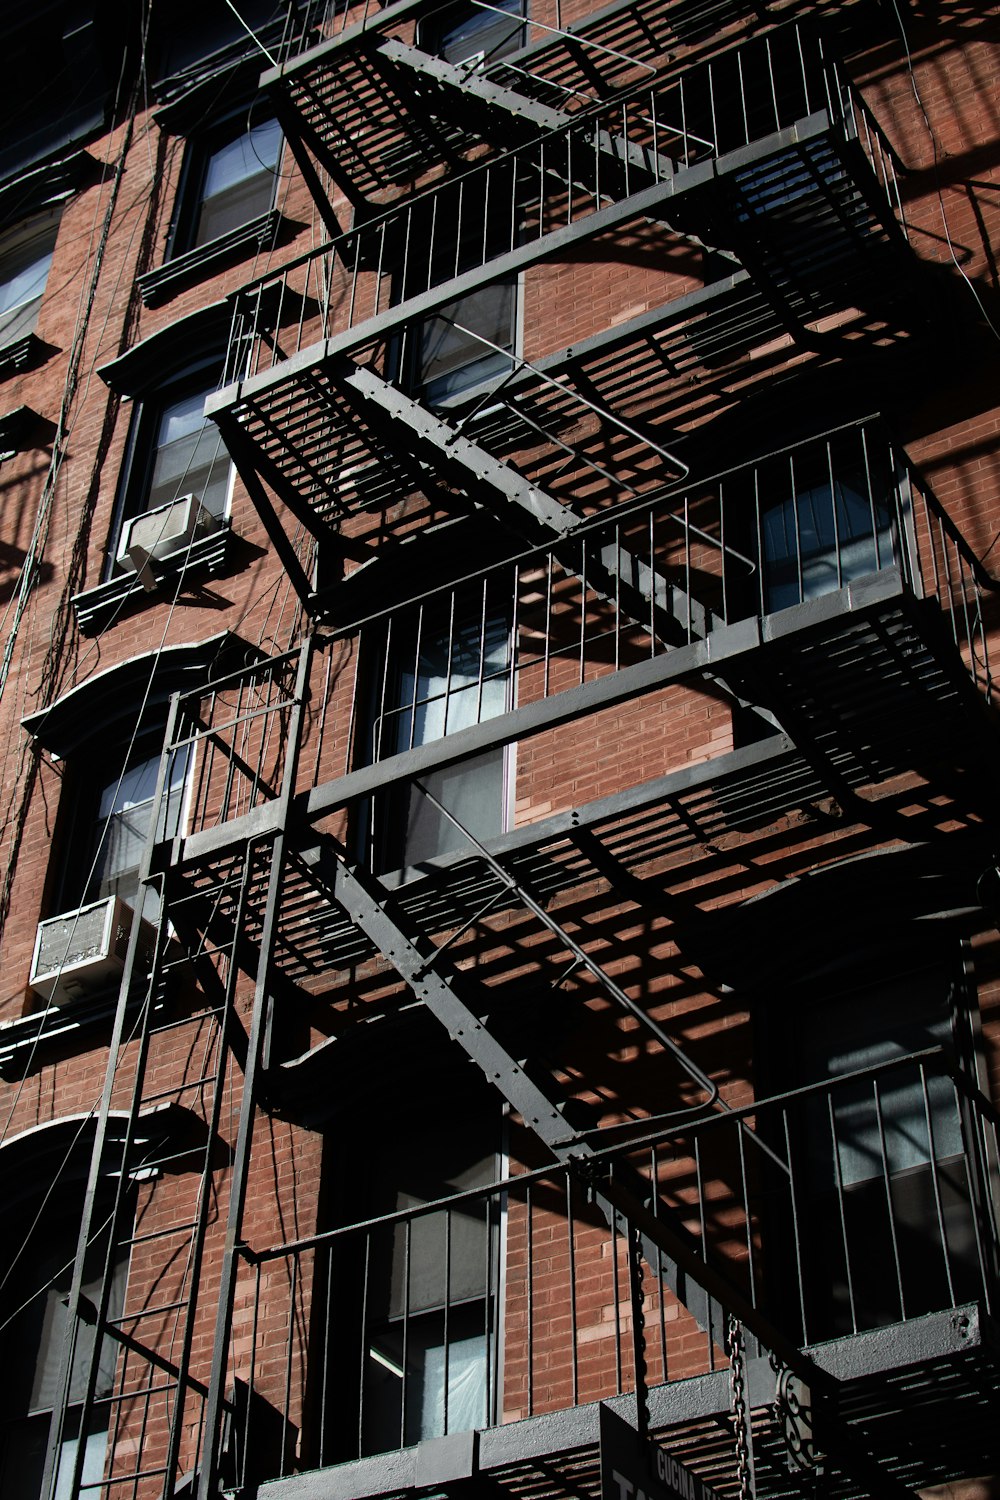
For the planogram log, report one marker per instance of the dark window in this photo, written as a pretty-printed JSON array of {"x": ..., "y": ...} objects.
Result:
[
  {"x": 232, "y": 181},
  {"x": 416, "y": 1300},
  {"x": 191, "y": 37},
  {"x": 25, "y": 258},
  {"x": 176, "y": 452},
  {"x": 880, "y": 1179},
  {"x": 445, "y": 671},
  {"x": 474, "y": 33},
  {"x": 823, "y": 535},
  {"x": 33, "y": 1340}
]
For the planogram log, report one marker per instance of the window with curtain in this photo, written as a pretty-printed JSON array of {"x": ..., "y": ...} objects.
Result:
[{"x": 427, "y": 1303}]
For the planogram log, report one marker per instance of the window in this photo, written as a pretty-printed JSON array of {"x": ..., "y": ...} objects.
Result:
[
  {"x": 232, "y": 182},
  {"x": 454, "y": 350},
  {"x": 451, "y": 670},
  {"x": 431, "y": 1316},
  {"x": 471, "y": 33},
  {"x": 882, "y": 1226},
  {"x": 415, "y": 1304},
  {"x": 33, "y": 1342},
  {"x": 122, "y": 813},
  {"x": 471, "y": 339},
  {"x": 824, "y": 535},
  {"x": 176, "y": 451},
  {"x": 25, "y": 258}
]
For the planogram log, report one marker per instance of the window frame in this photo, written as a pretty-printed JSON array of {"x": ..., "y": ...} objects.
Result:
[
  {"x": 135, "y": 478},
  {"x": 386, "y": 845},
  {"x": 43, "y": 225},
  {"x": 56, "y": 1223},
  {"x": 79, "y": 839},
  {"x": 430, "y": 32},
  {"x": 190, "y": 199},
  {"x": 354, "y": 1193}
]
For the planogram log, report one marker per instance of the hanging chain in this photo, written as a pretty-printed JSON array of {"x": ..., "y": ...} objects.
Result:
[
  {"x": 636, "y": 1274},
  {"x": 738, "y": 1396}
]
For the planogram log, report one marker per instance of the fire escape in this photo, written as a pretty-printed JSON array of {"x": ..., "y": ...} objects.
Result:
[{"x": 553, "y": 522}]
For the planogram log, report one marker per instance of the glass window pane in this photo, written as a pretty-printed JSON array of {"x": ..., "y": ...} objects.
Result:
[
  {"x": 802, "y": 535},
  {"x": 239, "y": 182},
  {"x": 190, "y": 457},
  {"x": 25, "y": 259},
  {"x": 125, "y": 810},
  {"x": 470, "y": 32}
]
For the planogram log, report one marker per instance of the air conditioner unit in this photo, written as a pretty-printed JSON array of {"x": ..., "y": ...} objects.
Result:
[
  {"x": 85, "y": 949},
  {"x": 158, "y": 534}
]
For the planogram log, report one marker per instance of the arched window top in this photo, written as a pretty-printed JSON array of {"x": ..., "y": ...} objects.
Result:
[{"x": 108, "y": 703}]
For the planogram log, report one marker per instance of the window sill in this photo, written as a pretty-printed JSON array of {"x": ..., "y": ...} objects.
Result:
[
  {"x": 23, "y": 1039},
  {"x": 181, "y": 271},
  {"x": 22, "y": 354},
  {"x": 98, "y": 607}
]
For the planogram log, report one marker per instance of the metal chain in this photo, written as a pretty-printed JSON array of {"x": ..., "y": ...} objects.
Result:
[
  {"x": 738, "y": 1396},
  {"x": 636, "y": 1272}
]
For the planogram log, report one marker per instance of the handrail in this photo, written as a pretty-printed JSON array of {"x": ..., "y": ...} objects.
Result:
[
  {"x": 579, "y": 118},
  {"x": 611, "y": 1154}
]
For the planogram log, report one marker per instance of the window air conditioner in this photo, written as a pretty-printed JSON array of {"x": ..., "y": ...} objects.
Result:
[
  {"x": 82, "y": 950},
  {"x": 158, "y": 534}
]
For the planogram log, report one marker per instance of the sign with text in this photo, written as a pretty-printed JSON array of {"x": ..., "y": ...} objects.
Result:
[{"x": 632, "y": 1469}]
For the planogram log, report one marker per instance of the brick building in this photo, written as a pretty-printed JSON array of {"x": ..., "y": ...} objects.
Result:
[{"x": 500, "y": 857}]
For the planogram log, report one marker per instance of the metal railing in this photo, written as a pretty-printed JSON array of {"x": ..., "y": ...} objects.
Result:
[
  {"x": 413, "y": 256},
  {"x": 623, "y": 588},
  {"x": 835, "y": 1208}
]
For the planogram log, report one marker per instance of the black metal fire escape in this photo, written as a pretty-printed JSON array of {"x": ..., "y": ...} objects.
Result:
[{"x": 571, "y": 470}]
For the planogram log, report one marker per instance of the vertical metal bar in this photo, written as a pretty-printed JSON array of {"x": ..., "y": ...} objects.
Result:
[
  {"x": 745, "y": 1192},
  {"x": 515, "y": 625},
  {"x": 661, "y": 1298},
  {"x": 447, "y": 1308},
  {"x": 530, "y": 1251},
  {"x": 807, "y": 106},
  {"x": 938, "y": 1207},
  {"x": 617, "y": 1237},
  {"x": 573, "y": 1321},
  {"x": 687, "y": 566},
  {"x": 838, "y": 552},
  {"x": 363, "y": 1347},
  {"x": 482, "y": 651},
  {"x": 405, "y": 1359},
  {"x": 583, "y": 608},
  {"x": 887, "y": 1181},
  {"x": 700, "y": 1191},
  {"x": 292, "y": 1294},
  {"x": 838, "y": 1172},
  {"x": 652, "y": 587},
  {"x": 743, "y": 98},
  {"x": 797, "y": 526},
  {"x": 796, "y": 1235},
  {"x": 770, "y": 77}
]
